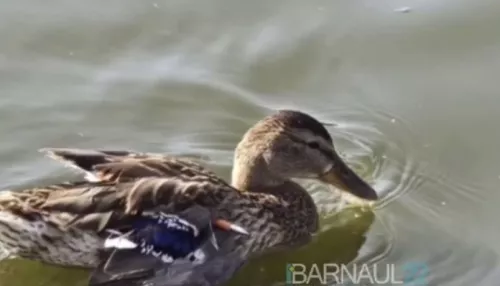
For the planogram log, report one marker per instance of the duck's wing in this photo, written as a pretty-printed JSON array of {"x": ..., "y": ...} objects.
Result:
[
  {"x": 131, "y": 268},
  {"x": 135, "y": 263},
  {"x": 106, "y": 204},
  {"x": 110, "y": 171},
  {"x": 113, "y": 206},
  {"x": 124, "y": 266},
  {"x": 120, "y": 166}
]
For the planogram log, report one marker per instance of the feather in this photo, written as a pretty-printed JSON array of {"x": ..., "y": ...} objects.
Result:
[
  {"x": 132, "y": 268},
  {"x": 119, "y": 243}
]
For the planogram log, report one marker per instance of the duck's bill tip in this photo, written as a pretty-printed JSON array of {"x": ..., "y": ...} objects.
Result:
[{"x": 342, "y": 177}]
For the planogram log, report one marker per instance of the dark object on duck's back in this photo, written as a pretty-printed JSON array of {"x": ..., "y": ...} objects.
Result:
[
  {"x": 169, "y": 235},
  {"x": 126, "y": 268},
  {"x": 162, "y": 245},
  {"x": 165, "y": 235}
]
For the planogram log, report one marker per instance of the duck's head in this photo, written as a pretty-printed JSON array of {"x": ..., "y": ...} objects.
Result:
[{"x": 291, "y": 144}]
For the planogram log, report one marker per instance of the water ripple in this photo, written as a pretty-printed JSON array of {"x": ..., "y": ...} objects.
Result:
[{"x": 367, "y": 142}]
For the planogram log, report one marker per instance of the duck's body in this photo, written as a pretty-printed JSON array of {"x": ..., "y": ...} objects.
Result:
[
  {"x": 43, "y": 235},
  {"x": 66, "y": 224}
]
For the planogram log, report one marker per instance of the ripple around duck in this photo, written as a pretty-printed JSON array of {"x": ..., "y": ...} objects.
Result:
[
  {"x": 379, "y": 148},
  {"x": 347, "y": 229},
  {"x": 383, "y": 150}
]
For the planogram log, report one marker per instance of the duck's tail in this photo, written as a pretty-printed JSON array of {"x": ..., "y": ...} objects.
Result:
[
  {"x": 37, "y": 236},
  {"x": 84, "y": 160},
  {"x": 6, "y": 241},
  {"x": 12, "y": 241}
]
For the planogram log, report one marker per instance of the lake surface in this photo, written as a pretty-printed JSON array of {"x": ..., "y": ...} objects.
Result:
[{"x": 413, "y": 94}]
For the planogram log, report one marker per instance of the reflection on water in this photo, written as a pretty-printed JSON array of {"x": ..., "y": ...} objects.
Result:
[
  {"x": 24, "y": 273},
  {"x": 339, "y": 244}
]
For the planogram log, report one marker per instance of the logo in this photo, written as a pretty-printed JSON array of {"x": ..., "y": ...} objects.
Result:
[
  {"x": 415, "y": 274},
  {"x": 410, "y": 274}
]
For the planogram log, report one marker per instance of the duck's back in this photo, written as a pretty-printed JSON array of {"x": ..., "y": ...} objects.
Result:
[
  {"x": 28, "y": 232},
  {"x": 105, "y": 165}
]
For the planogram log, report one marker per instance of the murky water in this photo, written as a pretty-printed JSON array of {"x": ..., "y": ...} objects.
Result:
[{"x": 414, "y": 97}]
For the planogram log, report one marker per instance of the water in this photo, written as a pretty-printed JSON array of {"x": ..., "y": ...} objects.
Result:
[{"x": 413, "y": 93}]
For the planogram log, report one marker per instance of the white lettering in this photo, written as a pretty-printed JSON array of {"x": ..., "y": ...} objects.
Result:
[
  {"x": 298, "y": 270},
  {"x": 331, "y": 269},
  {"x": 316, "y": 274},
  {"x": 365, "y": 273},
  {"x": 393, "y": 276},
  {"x": 335, "y": 273},
  {"x": 351, "y": 276}
]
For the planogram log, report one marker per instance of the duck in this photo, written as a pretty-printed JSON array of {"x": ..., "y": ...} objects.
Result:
[{"x": 93, "y": 222}]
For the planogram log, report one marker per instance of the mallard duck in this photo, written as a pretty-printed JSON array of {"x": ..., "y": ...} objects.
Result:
[{"x": 67, "y": 224}]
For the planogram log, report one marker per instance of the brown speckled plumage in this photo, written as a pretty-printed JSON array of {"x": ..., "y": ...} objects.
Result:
[{"x": 63, "y": 223}]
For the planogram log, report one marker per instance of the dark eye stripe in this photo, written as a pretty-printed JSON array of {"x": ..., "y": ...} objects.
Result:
[
  {"x": 326, "y": 153},
  {"x": 299, "y": 120},
  {"x": 314, "y": 145}
]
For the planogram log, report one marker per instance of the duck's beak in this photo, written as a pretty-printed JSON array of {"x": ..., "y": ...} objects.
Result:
[{"x": 344, "y": 178}]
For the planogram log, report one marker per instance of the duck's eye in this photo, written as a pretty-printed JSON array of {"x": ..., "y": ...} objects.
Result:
[{"x": 313, "y": 144}]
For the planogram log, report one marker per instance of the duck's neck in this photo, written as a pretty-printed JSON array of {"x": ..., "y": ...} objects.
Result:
[{"x": 253, "y": 175}]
